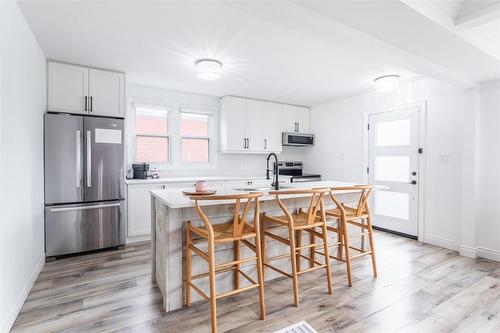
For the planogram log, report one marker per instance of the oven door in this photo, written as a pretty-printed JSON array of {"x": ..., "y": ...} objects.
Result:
[{"x": 303, "y": 179}]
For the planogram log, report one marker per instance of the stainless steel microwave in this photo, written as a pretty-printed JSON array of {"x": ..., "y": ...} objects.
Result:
[{"x": 297, "y": 139}]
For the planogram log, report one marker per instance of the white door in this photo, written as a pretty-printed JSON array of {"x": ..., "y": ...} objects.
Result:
[
  {"x": 67, "y": 88},
  {"x": 233, "y": 124},
  {"x": 303, "y": 123},
  {"x": 107, "y": 93},
  {"x": 271, "y": 129},
  {"x": 289, "y": 120},
  {"x": 253, "y": 123},
  {"x": 393, "y": 154}
]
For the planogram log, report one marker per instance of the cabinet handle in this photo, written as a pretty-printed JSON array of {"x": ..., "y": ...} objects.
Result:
[
  {"x": 248, "y": 143},
  {"x": 265, "y": 143},
  {"x": 85, "y": 103},
  {"x": 298, "y": 124},
  {"x": 91, "y": 104},
  {"x": 244, "y": 143}
]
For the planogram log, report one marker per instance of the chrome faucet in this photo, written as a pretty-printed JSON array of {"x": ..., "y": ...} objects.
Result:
[{"x": 275, "y": 182}]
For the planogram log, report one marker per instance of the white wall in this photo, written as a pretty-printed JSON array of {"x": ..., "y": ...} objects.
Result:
[
  {"x": 488, "y": 220},
  {"x": 21, "y": 160},
  {"x": 338, "y": 126},
  {"x": 227, "y": 164}
]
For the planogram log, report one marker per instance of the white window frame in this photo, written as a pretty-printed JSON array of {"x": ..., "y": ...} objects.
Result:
[
  {"x": 208, "y": 137},
  {"x": 160, "y": 107}
]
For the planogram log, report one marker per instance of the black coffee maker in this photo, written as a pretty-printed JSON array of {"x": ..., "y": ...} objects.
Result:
[{"x": 140, "y": 170}]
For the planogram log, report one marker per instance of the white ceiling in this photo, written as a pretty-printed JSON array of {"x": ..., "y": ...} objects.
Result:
[{"x": 288, "y": 52}]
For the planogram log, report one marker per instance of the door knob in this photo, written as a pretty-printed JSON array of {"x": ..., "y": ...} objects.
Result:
[
  {"x": 414, "y": 173},
  {"x": 413, "y": 182}
]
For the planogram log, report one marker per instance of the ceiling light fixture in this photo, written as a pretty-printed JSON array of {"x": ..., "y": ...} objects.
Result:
[
  {"x": 209, "y": 69},
  {"x": 387, "y": 82}
]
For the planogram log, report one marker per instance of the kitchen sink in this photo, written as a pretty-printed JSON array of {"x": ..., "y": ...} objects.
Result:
[{"x": 256, "y": 189}]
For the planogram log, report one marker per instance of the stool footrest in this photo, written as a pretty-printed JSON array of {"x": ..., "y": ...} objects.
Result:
[
  {"x": 278, "y": 270},
  {"x": 276, "y": 237},
  {"x": 237, "y": 291},
  {"x": 309, "y": 246},
  {"x": 311, "y": 269}
]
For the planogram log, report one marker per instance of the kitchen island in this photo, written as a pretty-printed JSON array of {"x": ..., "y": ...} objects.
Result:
[{"x": 170, "y": 209}]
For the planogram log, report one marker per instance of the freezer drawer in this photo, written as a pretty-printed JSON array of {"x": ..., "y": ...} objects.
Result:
[{"x": 83, "y": 227}]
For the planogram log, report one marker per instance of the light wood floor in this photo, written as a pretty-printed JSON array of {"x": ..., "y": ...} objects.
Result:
[{"x": 420, "y": 288}]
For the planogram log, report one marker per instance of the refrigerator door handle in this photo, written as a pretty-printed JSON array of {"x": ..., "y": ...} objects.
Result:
[
  {"x": 78, "y": 158},
  {"x": 65, "y": 209},
  {"x": 89, "y": 158}
]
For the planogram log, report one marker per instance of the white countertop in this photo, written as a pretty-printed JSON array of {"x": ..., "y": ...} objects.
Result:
[
  {"x": 167, "y": 180},
  {"x": 174, "y": 198}
]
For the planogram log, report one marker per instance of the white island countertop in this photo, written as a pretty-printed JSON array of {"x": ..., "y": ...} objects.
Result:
[
  {"x": 174, "y": 198},
  {"x": 166, "y": 180}
]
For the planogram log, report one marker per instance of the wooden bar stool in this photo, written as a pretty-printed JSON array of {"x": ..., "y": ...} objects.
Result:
[
  {"x": 296, "y": 223},
  {"x": 236, "y": 231},
  {"x": 357, "y": 215}
]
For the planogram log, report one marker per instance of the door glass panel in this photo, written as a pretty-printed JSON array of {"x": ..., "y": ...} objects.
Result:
[
  {"x": 393, "y": 133},
  {"x": 392, "y": 168},
  {"x": 393, "y": 204}
]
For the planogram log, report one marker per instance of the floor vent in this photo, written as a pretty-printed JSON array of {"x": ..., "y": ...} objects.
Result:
[{"x": 300, "y": 327}]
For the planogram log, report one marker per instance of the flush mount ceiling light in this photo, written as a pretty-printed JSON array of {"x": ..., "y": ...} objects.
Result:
[
  {"x": 387, "y": 82},
  {"x": 209, "y": 69}
]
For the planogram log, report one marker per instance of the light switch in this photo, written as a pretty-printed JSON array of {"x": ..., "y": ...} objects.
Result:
[{"x": 444, "y": 159}]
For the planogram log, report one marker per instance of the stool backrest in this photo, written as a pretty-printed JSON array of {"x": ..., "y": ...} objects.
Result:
[
  {"x": 364, "y": 195},
  {"x": 315, "y": 205},
  {"x": 238, "y": 220}
]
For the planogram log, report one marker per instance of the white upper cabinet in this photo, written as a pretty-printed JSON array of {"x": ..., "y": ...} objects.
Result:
[
  {"x": 77, "y": 89},
  {"x": 68, "y": 88},
  {"x": 271, "y": 130},
  {"x": 253, "y": 125},
  {"x": 296, "y": 119},
  {"x": 107, "y": 91},
  {"x": 232, "y": 124}
]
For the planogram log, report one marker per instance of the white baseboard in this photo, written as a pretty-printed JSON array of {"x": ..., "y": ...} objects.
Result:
[
  {"x": 137, "y": 239},
  {"x": 11, "y": 318},
  {"x": 488, "y": 253},
  {"x": 467, "y": 251},
  {"x": 441, "y": 242}
]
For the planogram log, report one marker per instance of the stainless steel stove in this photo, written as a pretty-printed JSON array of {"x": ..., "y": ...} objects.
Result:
[{"x": 294, "y": 169}]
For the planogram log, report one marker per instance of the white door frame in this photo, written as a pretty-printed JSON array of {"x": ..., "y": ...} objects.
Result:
[{"x": 422, "y": 105}]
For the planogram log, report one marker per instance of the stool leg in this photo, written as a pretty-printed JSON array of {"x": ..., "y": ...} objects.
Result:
[
  {"x": 372, "y": 245},
  {"x": 299, "y": 251},
  {"x": 312, "y": 250},
  {"x": 327, "y": 258},
  {"x": 346, "y": 248},
  {"x": 260, "y": 272},
  {"x": 293, "y": 259},
  {"x": 236, "y": 275},
  {"x": 263, "y": 245},
  {"x": 213, "y": 295},
  {"x": 340, "y": 239},
  {"x": 188, "y": 265}
]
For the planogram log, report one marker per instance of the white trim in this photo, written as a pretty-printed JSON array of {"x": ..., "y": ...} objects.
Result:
[
  {"x": 490, "y": 254},
  {"x": 422, "y": 105},
  {"x": 138, "y": 239},
  {"x": 16, "y": 307},
  {"x": 467, "y": 251},
  {"x": 441, "y": 242}
]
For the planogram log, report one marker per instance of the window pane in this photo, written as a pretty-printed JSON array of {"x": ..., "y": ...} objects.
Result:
[
  {"x": 394, "y": 204},
  {"x": 393, "y": 133},
  {"x": 392, "y": 168},
  {"x": 152, "y": 149},
  {"x": 151, "y": 121},
  {"x": 195, "y": 150},
  {"x": 194, "y": 124}
]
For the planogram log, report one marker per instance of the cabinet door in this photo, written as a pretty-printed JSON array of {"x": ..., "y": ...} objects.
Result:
[
  {"x": 67, "y": 88},
  {"x": 289, "y": 120},
  {"x": 139, "y": 209},
  {"x": 271, "y": 127},
  {"x": 232, "y": 124},
  {"x": 107, "y": 93},
  {"x": 253, "y": 121},
  {"x": 303, "y": 119}
]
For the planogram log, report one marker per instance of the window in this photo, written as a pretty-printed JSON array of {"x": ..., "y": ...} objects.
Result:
[
  {"x": 152, "y": 134},
  {"x": 195, "y": 137}
]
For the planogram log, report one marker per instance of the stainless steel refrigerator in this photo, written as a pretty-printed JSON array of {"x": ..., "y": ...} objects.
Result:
[{"x": 84, "y": 171}]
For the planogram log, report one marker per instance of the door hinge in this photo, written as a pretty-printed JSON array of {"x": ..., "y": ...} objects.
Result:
[
  {"x": 367, "y": 169},
  {"x": 420, "y": 150}
]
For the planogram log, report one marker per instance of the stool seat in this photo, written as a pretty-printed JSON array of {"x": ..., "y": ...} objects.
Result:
[
  {"x": 223, "y": 232},
  {"x": 350, "y": 213},
  {"x": 300, "y": 220}
]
